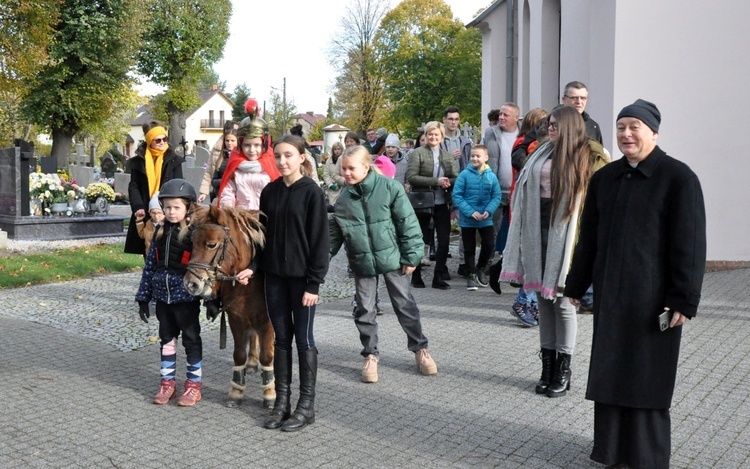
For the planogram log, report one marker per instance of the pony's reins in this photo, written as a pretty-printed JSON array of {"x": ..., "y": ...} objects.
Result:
[{"x": 213, "y": 266}]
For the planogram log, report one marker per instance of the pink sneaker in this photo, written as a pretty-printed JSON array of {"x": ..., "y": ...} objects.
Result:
[
  {"x": 191, "y": 395},
  {"x": 166, "y": 392}
]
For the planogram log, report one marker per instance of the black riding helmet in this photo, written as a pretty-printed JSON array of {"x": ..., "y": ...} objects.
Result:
[{"x": 177, "y": 189}]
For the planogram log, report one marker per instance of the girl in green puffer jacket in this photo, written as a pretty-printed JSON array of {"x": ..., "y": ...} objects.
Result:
[{"x": 374, "y": 218}]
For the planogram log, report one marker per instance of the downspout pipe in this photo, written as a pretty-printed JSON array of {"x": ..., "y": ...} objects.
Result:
[{"x": 509, "y": 50}]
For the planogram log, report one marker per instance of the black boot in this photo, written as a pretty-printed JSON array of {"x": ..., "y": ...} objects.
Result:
[
  {"x": 438, "y": 280},
  {"x": 282, "y": 371},
  {"x": 304, "y": 414},
  {"x": 416, "y": 278},
  {"x": 561, "y": 381},
  {"x": 548, "y": 364}
]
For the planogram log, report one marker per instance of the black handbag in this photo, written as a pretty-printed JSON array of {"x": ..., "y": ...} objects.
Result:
[{"x": 423, "y": 202}]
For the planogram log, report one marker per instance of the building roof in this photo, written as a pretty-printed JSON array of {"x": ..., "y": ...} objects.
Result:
[
  {"x": 484, "y": 14},
  {"x": 144, "y": 113},
  {"x": 335, "y": 128},
  {"x": 310, "y": 117}
]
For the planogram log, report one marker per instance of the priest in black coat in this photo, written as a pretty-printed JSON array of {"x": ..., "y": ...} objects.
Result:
[{"x": 643, "y": 244}]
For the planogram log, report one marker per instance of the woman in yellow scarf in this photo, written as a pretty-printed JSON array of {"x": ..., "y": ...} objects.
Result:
[{"x": 154, "y": 164}]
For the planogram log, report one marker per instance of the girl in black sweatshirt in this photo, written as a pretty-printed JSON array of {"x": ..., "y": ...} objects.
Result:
[{"x": 295, "y": 261}]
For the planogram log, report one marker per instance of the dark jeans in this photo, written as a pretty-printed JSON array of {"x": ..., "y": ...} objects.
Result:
[
  {"x": 182, "y": 318},
  {"x": 290, "y": 320},
  {"x": 469, "y": 238},
  {"x": 441, "y": 217},
  {"x": 404, "y": 305}
]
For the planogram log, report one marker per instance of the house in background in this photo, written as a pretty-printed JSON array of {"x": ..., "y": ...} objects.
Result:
[
  {"x": 683, "y": 56},
  {"x": 203, "y": 124},
  {"x": 307, "y": 120}
]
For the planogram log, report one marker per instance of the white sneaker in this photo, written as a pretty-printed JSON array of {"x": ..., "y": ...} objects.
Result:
[{"x": 370, "y": 369}]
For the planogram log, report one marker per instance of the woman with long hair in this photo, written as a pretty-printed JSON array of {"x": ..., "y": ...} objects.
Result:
[
  {"x": 217, "y": 163},
  {"x": 546, "y": 206}
]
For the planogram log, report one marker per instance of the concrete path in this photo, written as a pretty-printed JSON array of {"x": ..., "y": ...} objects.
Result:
[{"x": 79, "y": 369}]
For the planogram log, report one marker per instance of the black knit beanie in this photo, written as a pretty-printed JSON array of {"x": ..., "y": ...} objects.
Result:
[{"x": 644, "y": 111}]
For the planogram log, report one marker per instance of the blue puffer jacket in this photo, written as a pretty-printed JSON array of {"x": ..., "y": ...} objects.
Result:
[{"x": 476, "y": 191}]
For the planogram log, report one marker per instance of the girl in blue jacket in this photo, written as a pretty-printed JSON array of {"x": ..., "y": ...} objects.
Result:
[{"x": 477, "y": 195}]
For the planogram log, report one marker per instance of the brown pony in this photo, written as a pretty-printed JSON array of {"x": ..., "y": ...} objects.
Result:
[{"x": 224, "y": 243}]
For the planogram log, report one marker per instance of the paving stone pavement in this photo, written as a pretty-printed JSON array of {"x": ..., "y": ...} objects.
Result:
[{"x": 79, "y": 370}]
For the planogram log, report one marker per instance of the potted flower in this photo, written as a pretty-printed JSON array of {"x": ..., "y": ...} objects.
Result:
[
  {"x": 46, "y": 190},
  {"x": 100, "y": 195}
]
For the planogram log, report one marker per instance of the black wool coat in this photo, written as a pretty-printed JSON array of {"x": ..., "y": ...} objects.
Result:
[
  {"x": 171, "y": 168},
  {"x": 643, "y": 243}
]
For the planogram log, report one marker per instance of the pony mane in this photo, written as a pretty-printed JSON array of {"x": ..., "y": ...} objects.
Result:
[{"x": 244, "y": 220}]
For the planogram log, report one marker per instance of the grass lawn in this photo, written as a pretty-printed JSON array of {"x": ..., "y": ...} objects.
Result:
[{"x": 66, "y": 264}]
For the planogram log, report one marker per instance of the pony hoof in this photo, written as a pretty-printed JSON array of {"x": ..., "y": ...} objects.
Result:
[
  {"x": 232, "y": 403},
  {"x": 268, "y": 403}
]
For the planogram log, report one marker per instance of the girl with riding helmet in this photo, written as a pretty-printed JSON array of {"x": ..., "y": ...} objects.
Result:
[
  {"x": 251, "y": 164},
  {"x": 176, "y": 309},
  {"x": 153, "y": 165},
  {"x": 295, "y": 262}
]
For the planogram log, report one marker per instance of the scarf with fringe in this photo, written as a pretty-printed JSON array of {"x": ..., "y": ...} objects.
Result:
[{"x": 522, "y": 258}]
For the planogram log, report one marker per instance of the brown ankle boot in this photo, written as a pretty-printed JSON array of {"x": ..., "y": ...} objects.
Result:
[
  {"x": 191, "y": 395},
  {"x": 166, "y": 392}
]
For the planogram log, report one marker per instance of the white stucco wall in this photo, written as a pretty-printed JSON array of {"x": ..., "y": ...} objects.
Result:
[
  {"x": 493, "y": 61},
  {"x": 691, "y": 60}
]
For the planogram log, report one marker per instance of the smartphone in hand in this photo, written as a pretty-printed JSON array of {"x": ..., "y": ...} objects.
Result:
[{"x": 664, "y": 319}]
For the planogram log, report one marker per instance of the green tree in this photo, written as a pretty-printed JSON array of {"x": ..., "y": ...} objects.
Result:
[
  {"x": 329, "y": 111},
  {"x": 359, "y": 85},
  {"x": 90, "y": 58},
  {"x": 183, "y": 40},
  {"x": 104, "y": 133},
  {"x": 26, "y": 30},
  {"x": 239, "y": 96},
  {"x": 429, "y": 61},
  {"x": 280, "y": 115}
]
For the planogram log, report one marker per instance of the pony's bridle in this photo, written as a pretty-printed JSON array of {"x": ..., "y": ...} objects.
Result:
[{"x": 213, "y": 267}]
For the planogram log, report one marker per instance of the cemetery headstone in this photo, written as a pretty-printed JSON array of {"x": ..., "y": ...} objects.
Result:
[
  {"x": 9, "y": 183},
  {"x": 48, "y": 164},
  {"x": 122, "y": 181},
  {"x": 79, "y": 157},
  {"x": 108, "y": 166},
  {"x": 82, "y": 175},
  {"x": 202, "y": 155}
]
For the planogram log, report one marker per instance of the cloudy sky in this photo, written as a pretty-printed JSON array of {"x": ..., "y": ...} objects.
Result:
[{"x": 266, "y": 45}]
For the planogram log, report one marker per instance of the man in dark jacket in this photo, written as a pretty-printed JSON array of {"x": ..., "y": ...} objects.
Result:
[
  {"x": 576, "y": 95},
  {"x": 643, "y": 244}
]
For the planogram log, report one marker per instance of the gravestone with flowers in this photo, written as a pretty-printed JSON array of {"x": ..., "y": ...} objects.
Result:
[{"x": 27, "y": 202}]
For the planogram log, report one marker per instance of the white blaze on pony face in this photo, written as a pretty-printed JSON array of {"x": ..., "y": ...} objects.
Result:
[
  {"x": 175, "y": 209},
  {"x": 252, "y": 148}
]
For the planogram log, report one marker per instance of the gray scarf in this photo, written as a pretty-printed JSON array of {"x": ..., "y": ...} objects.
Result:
[
  {"x": 522, "y": 258},
  {"x": 250, "y": 167}
]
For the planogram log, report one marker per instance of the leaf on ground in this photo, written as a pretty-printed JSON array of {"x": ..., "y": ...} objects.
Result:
[
  {"x": 153, "y": 339},
  {"x": 42, "y": 304},
  {"x": 78, "y": 297}
]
